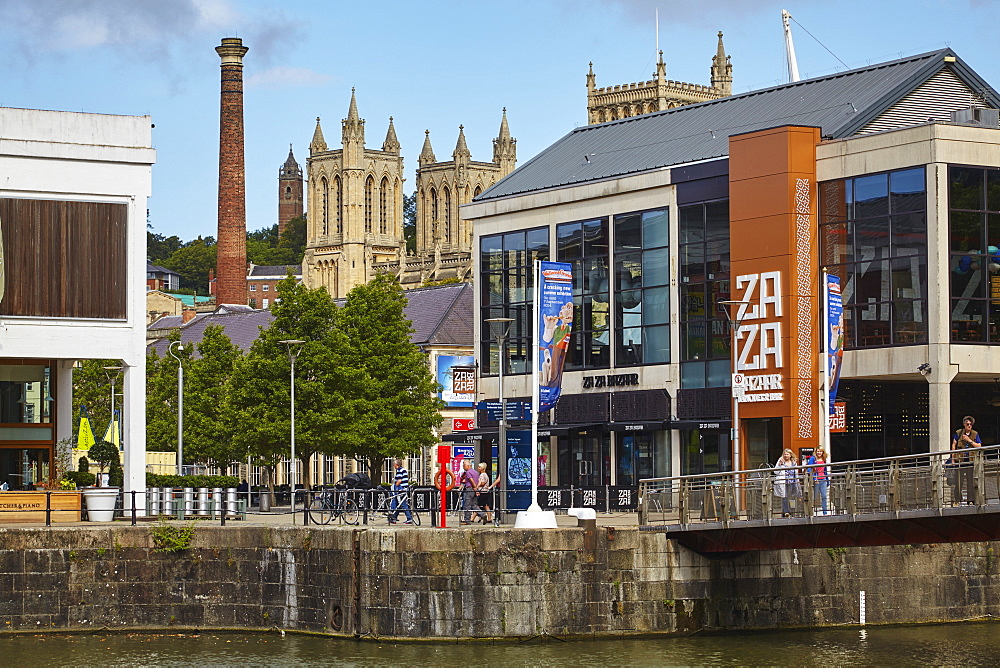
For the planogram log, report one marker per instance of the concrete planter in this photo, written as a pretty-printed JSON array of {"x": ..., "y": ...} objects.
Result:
[{"x": 100, "y": 503}]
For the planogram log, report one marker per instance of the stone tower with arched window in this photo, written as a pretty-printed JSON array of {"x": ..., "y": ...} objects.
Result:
[
  {"x": 444, "y": 239},
  {"x": 659, "y": 93},
  {"x": 356, "y": 207},
  {"x": 290, "y": 196}
]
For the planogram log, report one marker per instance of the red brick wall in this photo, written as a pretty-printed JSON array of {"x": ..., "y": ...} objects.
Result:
[{"x": 231, "y": 260}]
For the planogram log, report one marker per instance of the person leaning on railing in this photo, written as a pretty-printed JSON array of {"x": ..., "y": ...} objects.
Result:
[
  {"x": 964, "y": 438},
  {"x": 821, "y": 477},
  {"x": 786, "y": 482}
]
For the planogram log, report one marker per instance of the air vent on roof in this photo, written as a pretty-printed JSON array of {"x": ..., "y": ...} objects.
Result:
[{"x": 987, "y": 118}]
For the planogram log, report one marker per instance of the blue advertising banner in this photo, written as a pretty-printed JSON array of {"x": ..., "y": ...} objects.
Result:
[
  {"x": 555, "y": 325},
  {"x": 835, "y": 337},
  {"x": 464, "y": 394},
  {"x": 518, "y": 470}
]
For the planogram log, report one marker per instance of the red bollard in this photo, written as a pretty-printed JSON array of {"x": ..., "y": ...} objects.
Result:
[{"x": 444, "y": 459}]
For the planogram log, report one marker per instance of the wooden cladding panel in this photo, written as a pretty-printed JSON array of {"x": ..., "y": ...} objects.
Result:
[{"x": 64, "y": 259}]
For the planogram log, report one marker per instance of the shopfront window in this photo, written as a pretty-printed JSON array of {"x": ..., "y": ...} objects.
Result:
[
  {"x": 873, "y": 236},
  {"x": 974, "y": 203},
  {"x": 25, "y": 396},
  {"x": 704, "y": 274},
  {"x": 585, "y": 246},
  {"x": 23, "y": 468},
  {"x": 705, "y": 451},
  {"x": 642, "y": 292},
  {"x": 641, "y": 455},
  {"x": 506, "y": 273}
]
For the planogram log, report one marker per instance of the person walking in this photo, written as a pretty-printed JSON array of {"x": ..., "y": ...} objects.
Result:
[
  {"x": 484, "y": 493},
  {"x": 468, "y": 481},
  {"x": 400, "y": 487},
  {"x": 821, "y": 477},
  {"x": 964, "y": 438},
  {"x": 786, "y": 483}
]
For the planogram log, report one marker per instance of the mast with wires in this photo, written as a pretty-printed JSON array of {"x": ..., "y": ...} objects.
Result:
[{"x": 793, "y": 65}]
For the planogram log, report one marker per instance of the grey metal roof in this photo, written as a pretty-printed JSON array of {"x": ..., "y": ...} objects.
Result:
[
  {"x": 840, "y": 104},
  {"x": 153, "y": 268}
]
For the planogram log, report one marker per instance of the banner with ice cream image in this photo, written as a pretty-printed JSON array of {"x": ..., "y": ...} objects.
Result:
[{"x": 555, "y": 326}]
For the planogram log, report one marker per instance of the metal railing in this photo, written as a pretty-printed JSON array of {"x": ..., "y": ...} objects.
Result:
[{"x": 890, "y": 484}]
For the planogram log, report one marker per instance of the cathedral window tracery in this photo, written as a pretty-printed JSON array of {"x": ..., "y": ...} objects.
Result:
[
  {"x": 383, "y": 206},
  {"x": 369, "y": 195},
  {"x": 326, "y": 205},
  {"x": 447, "y": 215},
  {"x": 338, "y": 202}
]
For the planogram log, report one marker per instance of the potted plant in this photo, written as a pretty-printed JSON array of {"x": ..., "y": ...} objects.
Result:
[{"x": 101, "y": 500}]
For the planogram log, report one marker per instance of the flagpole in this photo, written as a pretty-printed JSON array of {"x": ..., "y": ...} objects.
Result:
[
  {"x": 535, "y": 401},
  {"x": 825, "y": 367}
]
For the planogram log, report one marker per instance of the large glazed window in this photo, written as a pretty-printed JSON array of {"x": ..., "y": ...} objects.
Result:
[
  {"x": 585, "y": 246},
  {"x": 704, "y": 272},
  {"x": 64, "y": 259},
  {"x": 642, "y": 292},
  {"x": 974, "y": 244},
  {"x": 506, "y": 284},
  {"x": 873, "y": 236}
]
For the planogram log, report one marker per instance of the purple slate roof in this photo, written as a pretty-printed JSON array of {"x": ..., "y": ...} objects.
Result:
[
  {"x": 441, "y": 315},
  {"x": 275, "y": 270}
]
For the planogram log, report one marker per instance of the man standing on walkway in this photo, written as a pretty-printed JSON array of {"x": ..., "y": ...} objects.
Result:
[
  {"x": 400, "y": 488},
  {"x": 469, "y": 481},
  {"x": 964, "y": 438}
]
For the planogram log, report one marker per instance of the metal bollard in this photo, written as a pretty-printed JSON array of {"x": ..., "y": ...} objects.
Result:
[
  {"x": 153, "y": 501},
  {"x": 217, "y": 501},
  {"x": 188, "y": 501},
  {"x": 231, "y": 501},
  {"x": 202, "y": 507}
]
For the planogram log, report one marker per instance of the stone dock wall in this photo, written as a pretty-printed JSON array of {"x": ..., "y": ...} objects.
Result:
[{"x": 470, "y": 583}]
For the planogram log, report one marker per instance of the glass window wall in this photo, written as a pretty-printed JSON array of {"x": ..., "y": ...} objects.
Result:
[
  {"x": 585, "y": 246},
  {"x": 642, "y": 294},
  {"x": 873, "y": 236}
]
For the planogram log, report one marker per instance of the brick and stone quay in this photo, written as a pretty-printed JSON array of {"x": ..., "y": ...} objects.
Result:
[{"x": 470, "y": 583}]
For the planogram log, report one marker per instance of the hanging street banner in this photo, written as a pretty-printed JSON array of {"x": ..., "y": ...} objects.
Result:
[
  {"x": 85, "y": 435},
  {"x": 555, "y": 325},
  {"x": 456, "y": 374},
  {"x": 835, "y": 337}
]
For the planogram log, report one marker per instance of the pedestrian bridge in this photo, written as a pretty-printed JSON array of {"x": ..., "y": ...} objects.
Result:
[{"x": 925, "y": 498}]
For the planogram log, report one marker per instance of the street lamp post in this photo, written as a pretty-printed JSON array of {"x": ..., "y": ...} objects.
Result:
[
  {"x": 502, "y": 327},
  {"x": 112, "y": 373},
  {"x": 293, "y": 353},
  {"x": 734, "y": 326},
  {"x": 180, "y": 404}
]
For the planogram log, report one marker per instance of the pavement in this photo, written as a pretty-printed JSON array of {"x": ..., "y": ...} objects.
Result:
[{"x": 282, "y": 516}]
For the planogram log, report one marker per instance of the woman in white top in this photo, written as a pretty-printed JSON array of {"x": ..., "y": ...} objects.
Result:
[{"x": 786, "y": 482}]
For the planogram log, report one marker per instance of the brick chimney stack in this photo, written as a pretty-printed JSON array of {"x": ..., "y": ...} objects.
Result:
[{"x": 231, "y": 248}]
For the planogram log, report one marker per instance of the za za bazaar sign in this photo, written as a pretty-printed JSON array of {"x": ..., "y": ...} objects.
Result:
[{"x": 759, "y": 373}]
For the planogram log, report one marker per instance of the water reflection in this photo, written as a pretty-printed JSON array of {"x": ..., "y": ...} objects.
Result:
[{"x": 947, "y": 644}]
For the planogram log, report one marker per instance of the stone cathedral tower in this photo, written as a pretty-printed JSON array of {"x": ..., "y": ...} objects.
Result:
[
  {"x": 355, "y": 207},
  {"x": 444, "y": 240},
  {"x": 290, "y": 196},
  {"x": 659, "y": 93}
]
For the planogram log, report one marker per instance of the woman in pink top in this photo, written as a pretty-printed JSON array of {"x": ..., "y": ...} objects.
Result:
[{"x": 821, "y": 477}]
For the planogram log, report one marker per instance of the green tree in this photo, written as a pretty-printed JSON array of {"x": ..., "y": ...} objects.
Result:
[
  {"x": 258, "y": 391},
  {"x": 395, "y": 406},
  {"x": 193, "y": 261},
  {"x": 92, "y": 388},
  {"x": 208, "y": 428},
  {"x": 159, "y": 248},
  {"x": 410, "y": 222},
  {"x": 161, "y": 397},
  {"x": 102, "y": 453}
]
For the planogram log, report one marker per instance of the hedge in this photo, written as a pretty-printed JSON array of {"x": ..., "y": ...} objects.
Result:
[
  {"x": 80, "y": 478},
  {"x": 155, "y": 480}
]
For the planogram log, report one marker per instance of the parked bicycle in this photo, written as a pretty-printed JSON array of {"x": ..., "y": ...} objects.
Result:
[
  {"x": 333, "y": 504},
  {"x": 383, "y": 504}
]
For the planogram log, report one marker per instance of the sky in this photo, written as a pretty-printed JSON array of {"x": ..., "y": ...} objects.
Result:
[{"x": 430, "y": 64}]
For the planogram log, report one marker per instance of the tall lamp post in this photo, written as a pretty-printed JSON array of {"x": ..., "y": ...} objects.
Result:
[
  {"x": 180, "y": 404},
  {"x": 294, "y": 348},
  {"x": 112, "y": 373},
  {"x": 732, "y": 309},
  {"x": 501, "y": 326}
]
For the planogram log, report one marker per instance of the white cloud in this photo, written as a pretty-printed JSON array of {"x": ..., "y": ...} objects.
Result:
[{"x": 287, "y": 77}]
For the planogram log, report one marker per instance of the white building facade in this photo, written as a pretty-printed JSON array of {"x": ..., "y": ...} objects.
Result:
[{"x": 73, "y": 219}]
